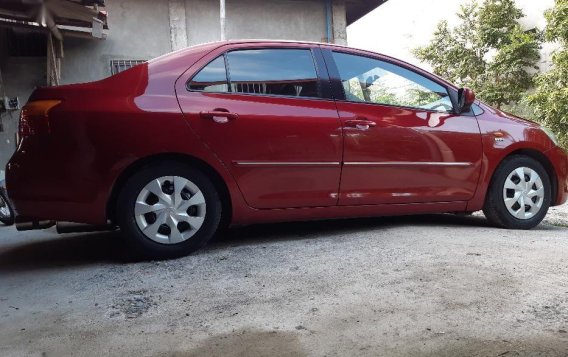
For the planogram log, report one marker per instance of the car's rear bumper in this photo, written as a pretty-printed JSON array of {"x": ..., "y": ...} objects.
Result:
[
  {"x": 559, "y": 159},
  {"x": 42, "y": 186}
]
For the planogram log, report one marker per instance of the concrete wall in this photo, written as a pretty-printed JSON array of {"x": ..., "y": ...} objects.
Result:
[
  {"x": 139, "y": 29},
  {"x": 144, "y": 29},
  {"x": 264, "y": 19},
  {"x": 276, "y": 19},
  {"x": 202, "y": 18}
]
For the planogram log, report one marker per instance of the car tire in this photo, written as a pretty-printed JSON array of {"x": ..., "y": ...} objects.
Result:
[
  {"x": 508, "y": 191},
  {"x": 7, "y": 216},
  {"x": 173, "y": 222}
]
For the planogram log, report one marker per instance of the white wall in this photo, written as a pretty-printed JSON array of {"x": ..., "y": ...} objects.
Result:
[{"x": 398, "y": 26}]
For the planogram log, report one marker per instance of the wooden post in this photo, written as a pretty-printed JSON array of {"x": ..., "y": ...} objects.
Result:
[{"x": 54, "y": 46}]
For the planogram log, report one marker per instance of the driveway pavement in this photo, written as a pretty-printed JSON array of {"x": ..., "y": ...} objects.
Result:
[{"x": 437, "y": 285}]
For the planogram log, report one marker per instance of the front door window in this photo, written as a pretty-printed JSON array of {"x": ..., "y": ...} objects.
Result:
[{"x": 379, "y": 82}]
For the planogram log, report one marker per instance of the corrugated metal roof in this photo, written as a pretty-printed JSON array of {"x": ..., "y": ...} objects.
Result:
[{"x": 356, "y": 9}]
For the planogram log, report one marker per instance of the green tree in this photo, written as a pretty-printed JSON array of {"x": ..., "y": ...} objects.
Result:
[
  {"x": 488, "y": 51},
  {"x": 550, "y": 100}
]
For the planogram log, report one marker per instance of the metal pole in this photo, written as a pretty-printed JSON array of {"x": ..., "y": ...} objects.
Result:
[
  {"x": 222, "y": 18},
  {"x": 328, "y": 21}
]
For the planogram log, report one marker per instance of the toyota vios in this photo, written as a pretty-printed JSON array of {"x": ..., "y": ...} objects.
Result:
[{"x": 243, "y": 132}]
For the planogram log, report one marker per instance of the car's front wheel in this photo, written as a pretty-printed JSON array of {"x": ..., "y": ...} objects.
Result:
[
  {"x": 168, "y": 210},
  {"x": 519, "y": 195}
]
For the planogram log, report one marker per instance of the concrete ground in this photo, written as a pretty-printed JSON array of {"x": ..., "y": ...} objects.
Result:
[{"x": 438, "y": 285}]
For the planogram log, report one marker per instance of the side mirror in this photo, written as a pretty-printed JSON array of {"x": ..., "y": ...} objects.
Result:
[
  {"x": 466, "y": 97},
  {"x": 371, "y": 80}
]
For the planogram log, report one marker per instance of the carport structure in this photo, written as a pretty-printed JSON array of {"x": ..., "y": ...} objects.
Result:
[{"x": 56, "y": 18}]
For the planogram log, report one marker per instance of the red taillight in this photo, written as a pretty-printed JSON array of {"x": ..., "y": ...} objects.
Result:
[{"x": 34, "y": 118}]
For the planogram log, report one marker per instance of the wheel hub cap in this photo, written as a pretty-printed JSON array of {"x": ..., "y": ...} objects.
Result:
[
  {"x": 170, "y": 209},
  {"x": 523, "y": 193}
]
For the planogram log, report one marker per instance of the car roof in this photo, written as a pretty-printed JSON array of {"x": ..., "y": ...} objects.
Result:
[
  {"x": 256, "y": 41},
  {"x": 273, "y": 40}
]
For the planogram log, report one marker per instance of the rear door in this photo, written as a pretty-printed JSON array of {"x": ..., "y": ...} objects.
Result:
[
  {"x": 403, "y": 141},
  {"x": 266, "y": 112}
]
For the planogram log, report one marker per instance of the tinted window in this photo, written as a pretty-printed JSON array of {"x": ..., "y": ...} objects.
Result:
[
  {"x": 212, "y": 78},
  {"x": 373, "y": 81},
  {"x": 287, "y": 72}
]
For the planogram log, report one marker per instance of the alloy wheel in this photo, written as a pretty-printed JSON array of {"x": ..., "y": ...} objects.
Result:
[{"x": 170, "y": 209}]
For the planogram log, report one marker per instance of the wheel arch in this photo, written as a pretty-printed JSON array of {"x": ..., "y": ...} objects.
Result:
[
  {"x": 540, "y": 158},
  {"x": 184, "y": 159}
]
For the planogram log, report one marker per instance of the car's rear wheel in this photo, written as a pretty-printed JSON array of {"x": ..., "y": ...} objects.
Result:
[
  {"x": 6, "y": 211},
  {"x": 519, "y": 195},
  {"x": 168, "y": 210}
]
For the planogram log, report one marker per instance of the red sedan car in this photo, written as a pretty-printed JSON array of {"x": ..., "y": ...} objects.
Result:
[{"x": 244, "y": 132}]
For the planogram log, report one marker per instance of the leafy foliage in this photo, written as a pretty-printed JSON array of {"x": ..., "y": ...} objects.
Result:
[
  {"x": 497, "y": 19},
  {"x": 488, "y": 51},
  {"x": 550, "y": 99},
  {"x": 507, "y": 77}
]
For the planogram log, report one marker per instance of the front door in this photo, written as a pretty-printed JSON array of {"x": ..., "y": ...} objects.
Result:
[
  {"x": 262, "y": 113},
  {"x": 403, "y": 142}
]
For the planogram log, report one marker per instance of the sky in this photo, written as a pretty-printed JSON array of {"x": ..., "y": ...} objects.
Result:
[{"x": 398, "y": 26}]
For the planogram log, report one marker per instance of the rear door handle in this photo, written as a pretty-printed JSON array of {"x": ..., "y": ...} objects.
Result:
[
  {"x": 361, "y": 124},
  {"x": 220, "y": 116}
]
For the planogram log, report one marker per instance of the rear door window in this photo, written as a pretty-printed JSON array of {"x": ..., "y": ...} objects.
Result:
[
  {"x": 212, "y": 78},
  {"x": 280, "y": 72}
]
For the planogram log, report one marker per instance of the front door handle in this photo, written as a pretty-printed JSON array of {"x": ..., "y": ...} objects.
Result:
[
  {"x": 220, "y": 116},
  {"x": 361, "y": 124}
]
